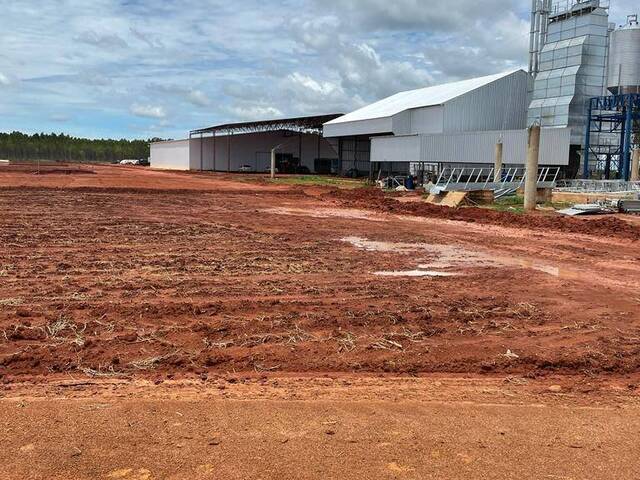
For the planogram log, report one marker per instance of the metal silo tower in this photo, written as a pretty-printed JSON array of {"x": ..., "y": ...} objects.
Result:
[
  {"x": 568, "y": 60},
  {"x": 613, "y": 125}
]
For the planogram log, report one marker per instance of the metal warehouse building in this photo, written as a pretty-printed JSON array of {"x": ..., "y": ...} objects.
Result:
[
  {"x": 455, "y": 123},
  {"x": 298, "y": 142},
  {"x": 458, "y": 122}
]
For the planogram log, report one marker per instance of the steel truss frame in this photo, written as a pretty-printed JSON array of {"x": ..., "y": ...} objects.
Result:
[{"x": 617, "y": 115}]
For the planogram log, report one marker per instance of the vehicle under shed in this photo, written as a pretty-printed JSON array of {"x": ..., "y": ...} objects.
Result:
[{"x": 246, "y": 147}]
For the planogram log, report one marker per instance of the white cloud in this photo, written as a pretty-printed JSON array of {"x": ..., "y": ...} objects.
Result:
[
  {"x": 198, "y": 98},
  {"x": 255, "y": 112},
  {"x": 146, "y": 37},
  {"x": 110, "y": 66},
  {"x": 307, "y": 95},
  {"x": 148, "y": 111},
  {"x": 190, "y": 95},
  {"x": 102, "y": 40},
  {"x": 312, "y": 85},
  {"x": 317, "y": 32},
  {"x": 61, "y": 118}
]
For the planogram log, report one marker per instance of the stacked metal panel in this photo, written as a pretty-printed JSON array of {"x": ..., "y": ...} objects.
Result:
[
  {"x": 471, "y": 148},
  {"x": 572, "y": 67}
]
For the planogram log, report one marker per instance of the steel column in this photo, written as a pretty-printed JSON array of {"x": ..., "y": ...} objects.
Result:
[
  {"x": 300, "y": 149},
  {"x": 623, "y": 126},
  {"x": 587, "y": 142},
  {"x": 627, "y": 142},
  {"x": 228, "y": 152}
]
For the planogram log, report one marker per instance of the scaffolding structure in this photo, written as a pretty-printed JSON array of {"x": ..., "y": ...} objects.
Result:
[
  {"x": 465, "y": 179},
  {"x": 613, "y": 127}
]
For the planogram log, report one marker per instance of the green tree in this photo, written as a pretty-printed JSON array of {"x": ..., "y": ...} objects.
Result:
[{"x": 64, "y": 148}]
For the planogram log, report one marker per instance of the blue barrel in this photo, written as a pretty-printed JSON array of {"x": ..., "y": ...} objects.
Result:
[{"x": 409, "y": 183}]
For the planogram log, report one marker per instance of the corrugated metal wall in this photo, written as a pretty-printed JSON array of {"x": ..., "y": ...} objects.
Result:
[
  {"x": 395, "y": 149},
  {"x": 501, "y": 105},
  {"x": 427, "y": 120},
  {"x": 170, "y": 155},
  {"x": 472, "y": 147},
  {"x": 419, "y": 120},
  {"x": 362, "y": 127},
  {"x": 254, "y": 150}
]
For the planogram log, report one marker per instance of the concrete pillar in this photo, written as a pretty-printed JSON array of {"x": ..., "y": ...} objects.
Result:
[
  {"x": 497, "y": 171},
  {"x": 635, "y": 168},
  {"x": 273, "y": 164},
  {"x": 531, "y": 184}
]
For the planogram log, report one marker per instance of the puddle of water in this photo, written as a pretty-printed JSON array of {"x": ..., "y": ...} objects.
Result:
[
  {"x": 549, "y": 269},
  {"x": 375, "y": 246},
  {"x": 325, "y": 213},
  {"x": 446, "y": 255},
  {"x": 449, "y": 256},
  {"x": 417, "y": 273}
]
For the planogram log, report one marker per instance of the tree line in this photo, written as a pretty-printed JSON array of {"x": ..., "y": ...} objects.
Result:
[{"x": 61, "y": 147}]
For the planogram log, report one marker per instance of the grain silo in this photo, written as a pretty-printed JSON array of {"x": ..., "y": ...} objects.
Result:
[{"x": 624, "y": 58}]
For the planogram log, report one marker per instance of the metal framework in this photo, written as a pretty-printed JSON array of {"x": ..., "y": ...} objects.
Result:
[
  {"x": 300, "y": 124},
  {"x": 293, "y": 126},
  {"x": 617, "y": 118},
  {"x": 570, "y": 8},
  {"x": 470, "y": 179},
  {"x": 598, "y": 186}
]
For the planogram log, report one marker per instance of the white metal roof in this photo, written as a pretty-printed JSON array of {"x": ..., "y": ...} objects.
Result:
[{"x": 423, "y": 97}]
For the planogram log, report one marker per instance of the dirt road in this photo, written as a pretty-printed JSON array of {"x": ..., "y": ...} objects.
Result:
[
  {"x": 319, "y": 429},
  {"x": 128, "y": 275}
]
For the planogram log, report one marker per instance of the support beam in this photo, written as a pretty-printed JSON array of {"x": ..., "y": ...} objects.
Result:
[
  {"x": 300, "y": 148},
  {"x": 635, "y": 166},
  {"x": 214, "y": 151},
  {"x": 190, "y": 145},
  {"x": 228, "y": 152},
  {"x": 623, "y": 123},
  {"x": 497, "y": 175},
  {"x": 273, "y": 163},
  {"x": 587, "y": 143},
  {"x": 628, "y": 141},
  {"x": 531, "y": 184}
]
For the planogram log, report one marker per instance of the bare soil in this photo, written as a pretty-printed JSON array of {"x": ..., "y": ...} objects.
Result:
[
  {"x": 130, "y": 275},
  {"x": 157, "y": 283},
  {"x": 335, "y": 427}
]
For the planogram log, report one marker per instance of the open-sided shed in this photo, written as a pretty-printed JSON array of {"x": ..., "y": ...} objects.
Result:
[{"x": 247, "y": 146}]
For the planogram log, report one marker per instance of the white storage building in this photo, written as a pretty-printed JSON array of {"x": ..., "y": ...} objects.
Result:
[
  {"x": 300, "y": 147},
  {"x": 172, "y": 155},
  {"x": 407, "y": 127}
]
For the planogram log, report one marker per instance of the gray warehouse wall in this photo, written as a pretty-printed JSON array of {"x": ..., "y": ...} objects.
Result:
[
  {"x": 255, "y": 150},
  {"x": 501, "y": 105},
  {"x": 471, "y": 147}
]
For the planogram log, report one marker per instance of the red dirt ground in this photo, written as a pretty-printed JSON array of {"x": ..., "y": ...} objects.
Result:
[
  {"x": 254, "y": 278},
  {"x": 170, "y": 325}
]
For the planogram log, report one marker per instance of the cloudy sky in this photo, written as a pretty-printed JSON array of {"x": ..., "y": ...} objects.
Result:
[{"x": 146, "y": 68}]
